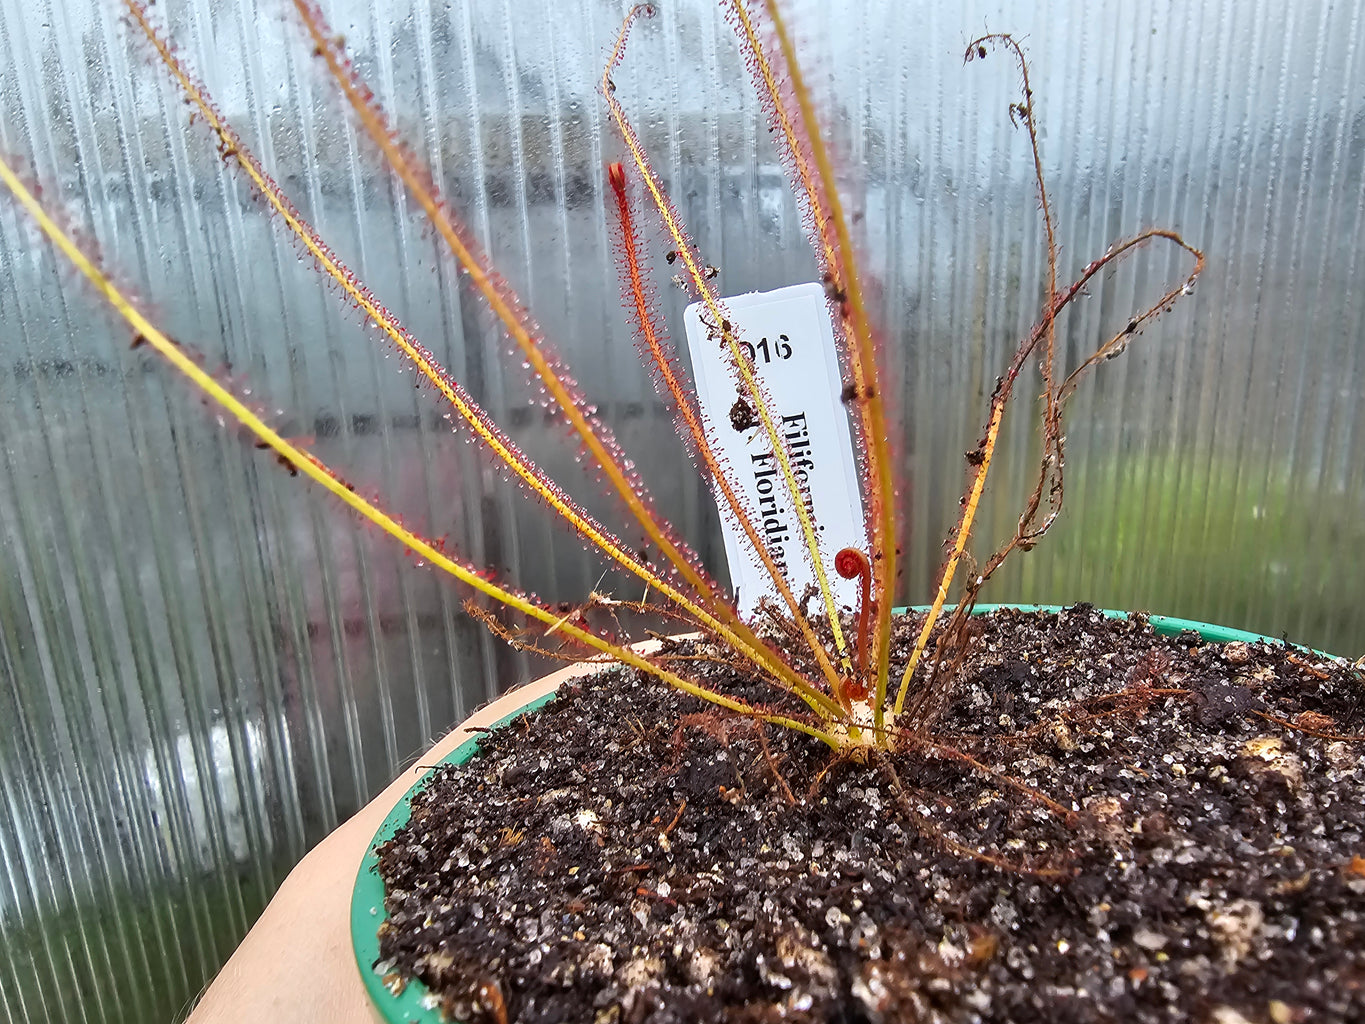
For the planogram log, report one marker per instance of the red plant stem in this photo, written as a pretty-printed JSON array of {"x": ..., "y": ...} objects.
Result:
[
  {"x": 850, "y": 563},
  {"x": 742, "y": 366},
  {"x": 762, "y": 653}
]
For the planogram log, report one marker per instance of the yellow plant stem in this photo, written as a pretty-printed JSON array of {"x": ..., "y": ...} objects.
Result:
[
  {"x": 742, "y": 640},
  {"x": 313, "y": 469},
  {"x": 512, "y": 321},
  {"x": 695, "y": 271},
  {"x": 688, "y": 412},
  {"x": 841, "y": 265},
  {"x": 964, "y": 529}
]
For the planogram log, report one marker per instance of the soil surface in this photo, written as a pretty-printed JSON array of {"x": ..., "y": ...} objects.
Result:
[{"x": 628, "y": 855}]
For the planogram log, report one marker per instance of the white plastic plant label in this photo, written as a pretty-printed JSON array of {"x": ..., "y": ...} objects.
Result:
[{"x": 792, "y": 343}]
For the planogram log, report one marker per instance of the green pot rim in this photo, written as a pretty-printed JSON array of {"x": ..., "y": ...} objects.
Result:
[{"x": 367, "y": 900}]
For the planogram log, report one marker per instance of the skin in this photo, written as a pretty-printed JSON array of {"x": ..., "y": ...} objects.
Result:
[{"x": 306, "y": 929}]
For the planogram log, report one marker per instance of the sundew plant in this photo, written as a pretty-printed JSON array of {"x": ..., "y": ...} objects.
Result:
[{"x": 843, "y": 682}]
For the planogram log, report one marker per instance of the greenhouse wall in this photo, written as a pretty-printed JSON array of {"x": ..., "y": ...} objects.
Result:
[{"x": 206, "y": 664}]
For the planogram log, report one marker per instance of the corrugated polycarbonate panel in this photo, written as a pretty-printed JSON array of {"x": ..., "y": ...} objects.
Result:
[{"x": 205, "y": 666}]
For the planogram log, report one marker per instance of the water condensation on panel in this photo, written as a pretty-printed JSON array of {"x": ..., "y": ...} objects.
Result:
[{"x": 204, "y": 667}]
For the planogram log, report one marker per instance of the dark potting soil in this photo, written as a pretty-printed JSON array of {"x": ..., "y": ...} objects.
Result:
[{"x": 628, "y": 855}]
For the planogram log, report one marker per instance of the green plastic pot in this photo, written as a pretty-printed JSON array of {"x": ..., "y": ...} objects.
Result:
[{"x": 412, "y": 1005}]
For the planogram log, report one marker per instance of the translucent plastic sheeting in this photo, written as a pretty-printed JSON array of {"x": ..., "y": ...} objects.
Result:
[{"x": 204, "y": 666}]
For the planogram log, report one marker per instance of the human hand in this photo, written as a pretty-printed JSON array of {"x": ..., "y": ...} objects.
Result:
[{"x": 296, "y": 965}]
